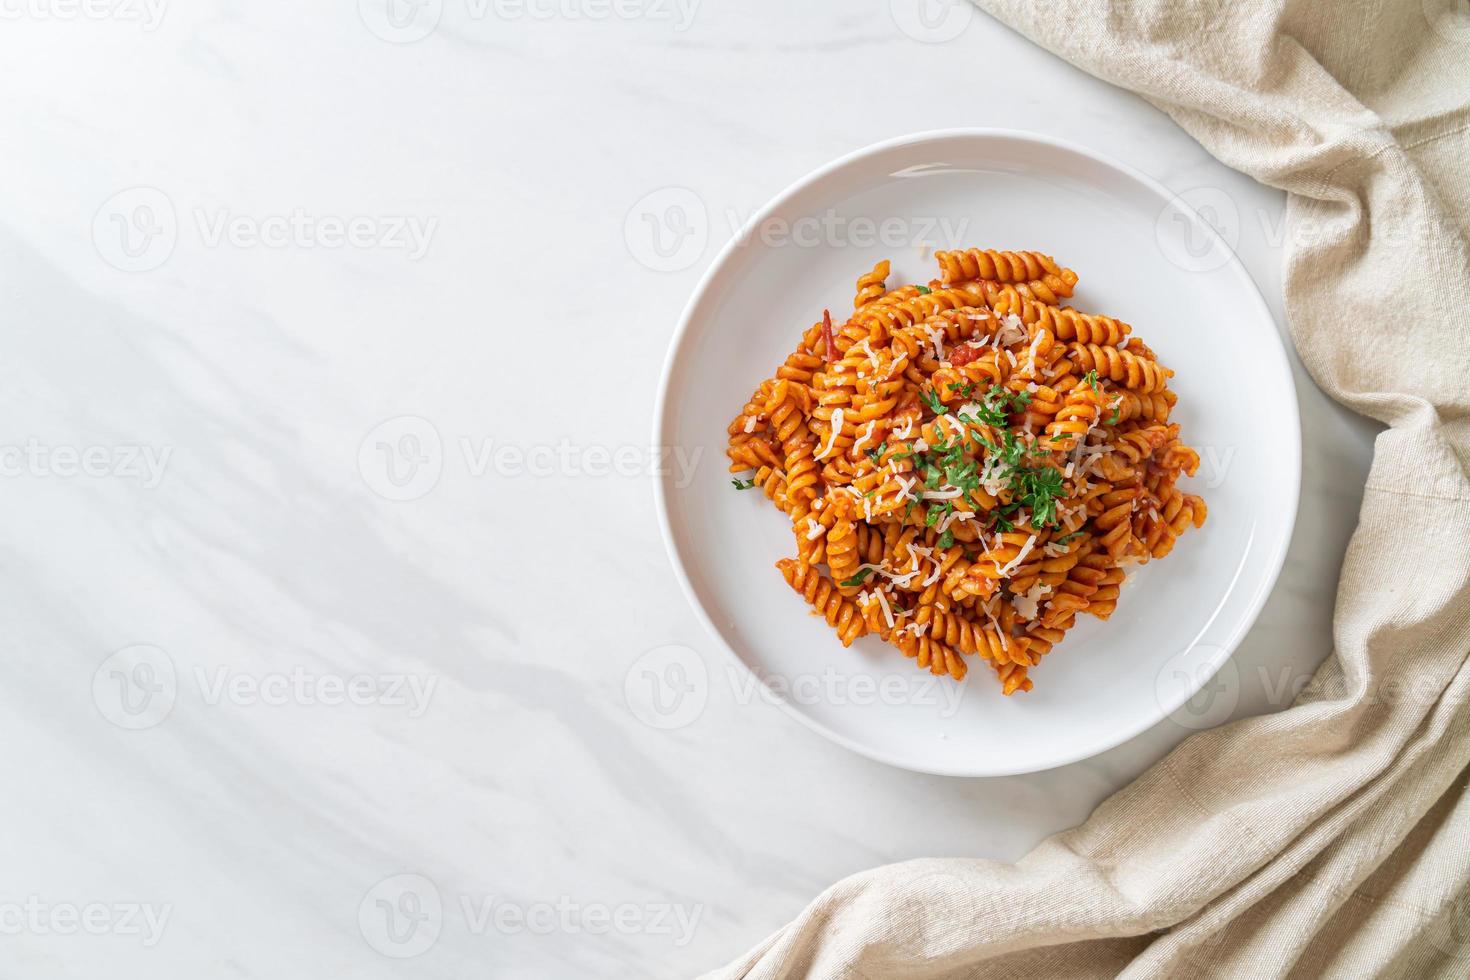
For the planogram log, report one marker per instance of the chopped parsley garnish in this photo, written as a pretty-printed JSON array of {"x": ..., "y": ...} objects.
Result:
[
  {"x": 876, "y": 455},
  {"x": 946, "y": 540},
  {"x": 742, "y": 484},
  {"x": 856, "y": 579},
  {"x": 1036, "y": 487},
  {"x": 1117, "y": 413},
  {"x": 931, "y": 399},
  {"x": 1091, "y": 379},
  {"x": 964, "y": 390},
  {"x": 996, "y": 407},
  {"x": 925, "y": 290},
  {"x": 1068, "y": 537},
  {"x": 1039, "y": 488}
]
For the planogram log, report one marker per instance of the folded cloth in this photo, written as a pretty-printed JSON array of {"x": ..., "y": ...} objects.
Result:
[{"x": 1331, "y": 839}]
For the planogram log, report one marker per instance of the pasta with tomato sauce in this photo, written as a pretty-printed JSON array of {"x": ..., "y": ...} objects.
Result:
[{"x": 968, "y": 465}]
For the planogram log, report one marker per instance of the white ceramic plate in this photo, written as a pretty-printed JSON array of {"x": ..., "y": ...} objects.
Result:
[{"x": 1142, "y": 256}]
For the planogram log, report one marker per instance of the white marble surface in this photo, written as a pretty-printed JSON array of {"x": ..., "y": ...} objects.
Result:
[{"x": 225, "y": 519}]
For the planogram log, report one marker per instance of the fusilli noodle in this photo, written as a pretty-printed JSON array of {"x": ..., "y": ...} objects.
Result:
[{"x": 968, "y": 465}]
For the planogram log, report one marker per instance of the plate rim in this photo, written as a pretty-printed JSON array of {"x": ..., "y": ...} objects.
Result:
[{"x": 1280, "y": 362}]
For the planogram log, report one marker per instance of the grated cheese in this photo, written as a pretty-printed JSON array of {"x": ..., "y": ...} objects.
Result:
[
  {"x": 1031, "y": 354},
  {"x": 836, "y": 431},
  {"x": 887, "y": 612},
  {"x": 1026, "y": 605},
  {"x": 953, "y": 516},
  {"x": 1015, "y": 562},
  {"x": 936, "y": 337}
]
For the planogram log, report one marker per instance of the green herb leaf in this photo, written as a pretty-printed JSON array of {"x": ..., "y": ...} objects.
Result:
[
  {"x": 742, "y": 484},
  {"x": 856, "y": 579},
  {"x": 925, "y": 290}
]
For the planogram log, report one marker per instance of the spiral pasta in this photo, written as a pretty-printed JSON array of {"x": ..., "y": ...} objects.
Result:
[{"x": 968, "y": 465}]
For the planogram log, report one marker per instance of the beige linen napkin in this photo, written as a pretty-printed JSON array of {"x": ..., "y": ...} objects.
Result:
[{"x": 1331, "y": 839}]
